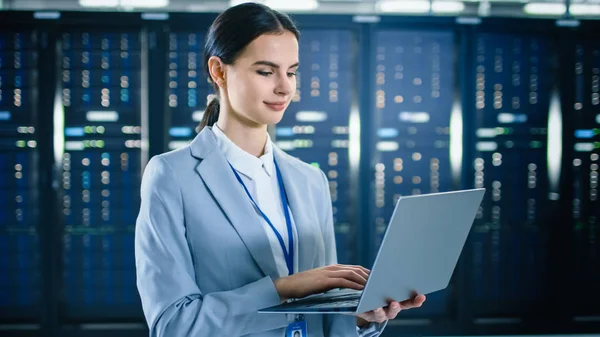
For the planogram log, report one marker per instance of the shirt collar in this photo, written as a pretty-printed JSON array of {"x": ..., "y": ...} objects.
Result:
[{"x": 242, "y": 161}]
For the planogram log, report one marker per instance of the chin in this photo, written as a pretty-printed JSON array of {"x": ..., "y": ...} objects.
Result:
[{"x": 271, "y": 118}]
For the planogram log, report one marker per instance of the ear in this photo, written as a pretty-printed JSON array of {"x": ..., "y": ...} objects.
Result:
[{"x": 216, "y": 68}]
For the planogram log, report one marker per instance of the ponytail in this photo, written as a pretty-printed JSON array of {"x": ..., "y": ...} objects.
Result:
[{"x": 211, "y": 115}]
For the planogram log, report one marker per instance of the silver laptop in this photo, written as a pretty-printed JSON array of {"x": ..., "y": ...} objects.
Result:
[{"x": 418, "y": 254}]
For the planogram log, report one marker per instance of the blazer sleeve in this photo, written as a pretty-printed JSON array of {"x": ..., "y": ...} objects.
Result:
[
  {"x": 172, "y": 302},
  {"x": 339, "y": 325}
]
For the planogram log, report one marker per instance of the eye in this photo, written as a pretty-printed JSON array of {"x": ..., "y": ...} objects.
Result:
[
  {"x": 291, "y": 74},
  {"x": 264, "y": 73}
]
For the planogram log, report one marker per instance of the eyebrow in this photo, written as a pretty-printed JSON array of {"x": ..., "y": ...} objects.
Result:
[{"x": 274, "y": 65}]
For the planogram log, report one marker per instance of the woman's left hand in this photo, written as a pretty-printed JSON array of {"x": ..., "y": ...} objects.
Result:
[{"x": 381, "y": 315}]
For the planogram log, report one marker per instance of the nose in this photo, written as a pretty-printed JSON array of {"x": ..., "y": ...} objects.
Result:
[{"x": 284, "y": 85}]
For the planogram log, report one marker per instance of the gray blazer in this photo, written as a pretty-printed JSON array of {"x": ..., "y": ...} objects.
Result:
[{"x": 204, "y": 263}]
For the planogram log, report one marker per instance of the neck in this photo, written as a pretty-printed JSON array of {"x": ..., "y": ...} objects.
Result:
[{"x": 251, "y": 139}]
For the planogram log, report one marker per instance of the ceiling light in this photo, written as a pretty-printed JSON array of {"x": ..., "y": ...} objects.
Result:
[
  {"x": 447, "y": 6},
  {"x": 292, "y": 5},
  {"x": 99, "y": 3},
  {"x": 539, "y": 8},
  {"x": 239, "y": 2},
  {"x": 484, "y": 8},
  {"x": 144, "y": 3},
  {"x": 404, "y": 6},
  {"x": 125, "y": 3},
  {"x": 584, "y": 9}
]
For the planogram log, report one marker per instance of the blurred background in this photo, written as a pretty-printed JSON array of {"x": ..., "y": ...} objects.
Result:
[{"x": 394, "y": 98}]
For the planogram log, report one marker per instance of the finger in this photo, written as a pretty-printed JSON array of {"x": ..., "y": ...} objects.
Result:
[
  {"x": 367, "y": 271},
  {"x": 380, "y": 315},
  {"x": 415, "y": 302},
  {"x": 333, "y": 283},
  {"x": 392, "y": 310},
  {"x": 359, "y": 270},
  {"x": 353, "y": 267},
  {"x": 419, "y": 300},
  {"x": 405, "y": 305},
  {"x": 363, "y": 271},
  {"x": 349, "y": 275}
]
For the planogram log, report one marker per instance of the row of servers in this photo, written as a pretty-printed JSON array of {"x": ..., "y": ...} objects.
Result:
[
  {"x": 20, "y": 280},
  {"x": 412, "y": 111},
  {"x": 101, "y": 167}
]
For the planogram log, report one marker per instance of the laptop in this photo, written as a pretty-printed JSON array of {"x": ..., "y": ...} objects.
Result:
[{"x": 418, "y": 254}]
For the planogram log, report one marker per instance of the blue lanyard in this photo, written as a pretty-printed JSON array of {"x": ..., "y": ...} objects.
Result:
[{"x": 289, "y": 255}]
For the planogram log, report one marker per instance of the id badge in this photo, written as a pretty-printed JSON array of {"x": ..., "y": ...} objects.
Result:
[{"x": 297, "y": 328}]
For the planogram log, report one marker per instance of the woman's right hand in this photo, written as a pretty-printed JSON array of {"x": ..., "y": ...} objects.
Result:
[{"x": 320, "y": 280}]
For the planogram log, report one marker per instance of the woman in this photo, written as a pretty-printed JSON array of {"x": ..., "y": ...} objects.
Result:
[{"x": 230, "y": 224}]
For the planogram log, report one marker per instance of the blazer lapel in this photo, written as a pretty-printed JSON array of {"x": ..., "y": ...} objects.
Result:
[
  {"x": 231, "y": 197},
  {"x": 297, "y": 191}
]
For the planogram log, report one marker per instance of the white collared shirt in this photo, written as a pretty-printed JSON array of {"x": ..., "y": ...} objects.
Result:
[{"x": 260, "y": 177}]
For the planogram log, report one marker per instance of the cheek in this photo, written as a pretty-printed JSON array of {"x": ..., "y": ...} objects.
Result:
[
  {"x": 257, "y": 87},
  {"x": 250, "y": 89},
  {"x": 240, "y": 92},
  {"x": 247, "y": 94}
]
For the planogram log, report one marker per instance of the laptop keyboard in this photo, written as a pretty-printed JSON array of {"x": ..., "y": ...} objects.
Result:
[
  {"x": 340, "y": 300},
  {"x": 334, "y": 299},
  {"x": 335, "y": 303}
]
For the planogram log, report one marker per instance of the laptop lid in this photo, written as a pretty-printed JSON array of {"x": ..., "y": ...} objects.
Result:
[{"x": 421, "y": 246}]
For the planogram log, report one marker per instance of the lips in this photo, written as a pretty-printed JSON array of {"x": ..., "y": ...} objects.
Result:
[{"x": 278, "y": 106}]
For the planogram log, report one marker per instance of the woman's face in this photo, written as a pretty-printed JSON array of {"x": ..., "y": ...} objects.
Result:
[{"x": 262, "y": 81}]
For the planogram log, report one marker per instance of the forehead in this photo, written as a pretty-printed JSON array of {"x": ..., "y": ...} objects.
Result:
[{"x": 278, "y": 48}]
